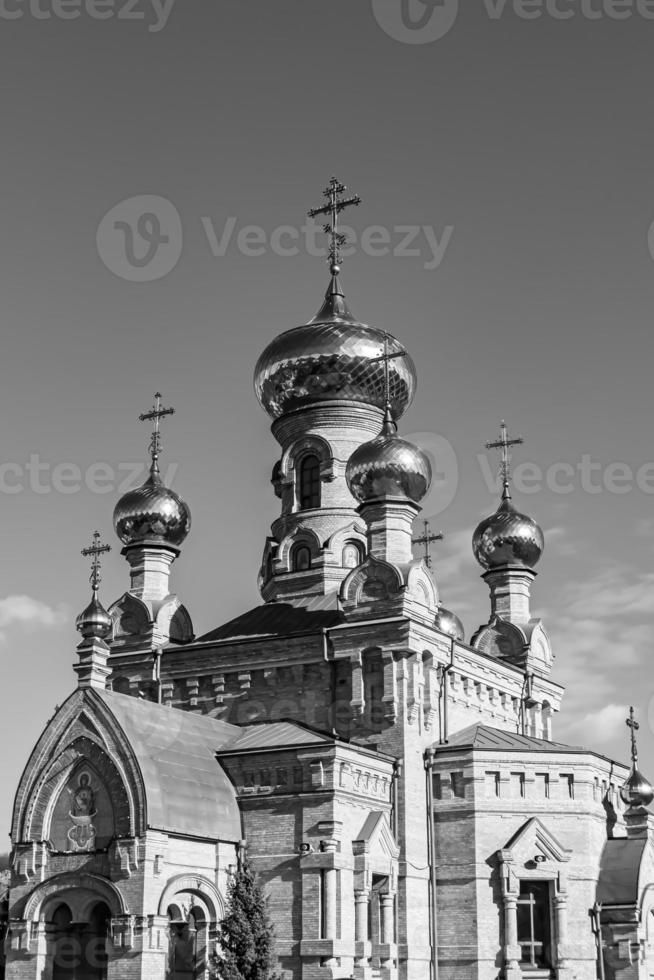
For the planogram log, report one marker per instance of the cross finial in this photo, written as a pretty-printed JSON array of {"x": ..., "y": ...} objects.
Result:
[
  {"x": 335, "y": 204},
  {"x": 504, "y": 444},
  {"x": 155, "y": 414},
  {"x": 94, "y": 551},
  {"x": 387, "y": 357},
  {"x": 634, "y": 726},
  {"x": 426, "y": 540}
]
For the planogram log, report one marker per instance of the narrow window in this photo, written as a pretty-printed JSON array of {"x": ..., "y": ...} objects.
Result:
[
  {"x": 351, "y": 555},
  {"x": 437, "y": 784},
  {"x": 301, "y": 558},
  {"x": 543, "y": 784},
  {"x": 517, "y": 785},
  {"x": 309, "y": 487},
  {"x": 534, "y": 933},
  {"x": 492, "y": 783},
  {"x": 568, "y": 780},
  {"x": 458, "y": 786}
]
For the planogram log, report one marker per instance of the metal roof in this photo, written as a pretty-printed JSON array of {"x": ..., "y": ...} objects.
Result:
[
  {"x": 275, "y": 734},
  {"x": 187, "y": 791},
  {"x": 480, "y": 736},
  {"x": 620, "y": 870},
  {"x": 280, "y": 619}
]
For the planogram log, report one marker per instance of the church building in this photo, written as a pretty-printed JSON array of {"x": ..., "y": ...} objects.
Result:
[{"x": 396, "y": 785}]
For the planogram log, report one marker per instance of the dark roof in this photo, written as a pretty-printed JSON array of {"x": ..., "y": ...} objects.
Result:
[
  {"x": 280, "y": 619},
  {"x": 480, "y": 736},
  {"x": 619, "y": 871},
  {"x": 187, "y": 791},
  {"x": 275, "y": 734}
]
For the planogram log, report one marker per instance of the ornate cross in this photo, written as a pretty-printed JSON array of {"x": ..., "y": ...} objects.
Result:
[
  {"x": 335, "y": 204},
  {"x": 155, "y": 414},
  {"x": 426, "y": 540},
  {"x": 387, "y": 357},
  {"x": 94, "y": 551},
  {"x": 634, "y": 726},
  {"x": 504, "y": 444}
]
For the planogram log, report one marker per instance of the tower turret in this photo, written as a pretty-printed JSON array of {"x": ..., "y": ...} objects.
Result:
[
  {"x": 323, "y": 384},
  {"x": 94, "y": 623},
  {"x": 152, "y": 522},
  {"x": 508, "y": 545}
]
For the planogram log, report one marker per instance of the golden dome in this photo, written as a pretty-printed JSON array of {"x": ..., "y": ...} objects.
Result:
[
  {"x": 637, "y": 791},
  {"x": 152, "y": 513},
  {"x": 388, "y": 466},
  {"x": 334, "y": 357},
  {"x": 449, "y": 624},
  {"x": 508, "y": 538},
  {"x": 95, "y": 621}
]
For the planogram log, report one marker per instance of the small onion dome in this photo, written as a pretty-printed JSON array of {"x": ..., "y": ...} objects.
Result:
[
  {"x": 388, "y": 467},
  {"x": 152, "y": 513},
  {"x": 333, "y": 357},
  {"x": 637, "y": 791},
  {"x": 449, "y": 624},
  {"x": 508, "y": 538},
  {"x": 95, "y": 621}
]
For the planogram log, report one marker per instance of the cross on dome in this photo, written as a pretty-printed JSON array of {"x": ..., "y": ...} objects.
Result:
[
  {"x": 155, "y": 415},
  {"x": 504, "y": 443},
  {"x": 335, "y": 204},
  {"x": 94, "y": 551}
]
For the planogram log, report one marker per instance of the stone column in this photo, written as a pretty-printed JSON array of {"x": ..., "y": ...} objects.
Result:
[
  {"x": 561, "y": 921},
  {"x": 387, "y": 901},
  {"x": 511, "y": 949},
  {"x": 330, "y": 910},
  {"x": 361, "y": 903}
]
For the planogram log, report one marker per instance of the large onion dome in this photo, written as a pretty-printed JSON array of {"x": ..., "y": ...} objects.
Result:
[
  {"x": 388, "y": 466},
  {"x": 508, "y": 537},
  {"x": 152, "y": 513},
  {"x": 333, "y": 357},
  {"x": 94, "y": 621},
  {"x": 449, "y": 624},
  {"x": 637, "y": 791}
]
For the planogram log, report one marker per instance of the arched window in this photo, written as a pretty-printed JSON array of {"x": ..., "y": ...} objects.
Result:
[
  {"x": 352, "y": 554},
  {"x": 188, "y": 943},
  {"x": 79, "y": 949},
  {"x": 309, "y": 483},
  {"x": 301, "y": 558}
]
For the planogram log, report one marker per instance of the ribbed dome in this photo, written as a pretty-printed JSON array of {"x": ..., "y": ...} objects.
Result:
[
  {"x": 95, "y": 621},
  {"x": 388, "y": 466},
  {"x": 152, "y": 512},
  {"x": 637, "y": 791},
  {"x": 331, "y": 358},
  {"x": 508, "y": 538},
  {"x": 449, "y": 624}
]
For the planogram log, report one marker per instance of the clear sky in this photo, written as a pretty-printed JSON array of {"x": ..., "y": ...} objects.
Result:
[{"x": 517, "y": 153}]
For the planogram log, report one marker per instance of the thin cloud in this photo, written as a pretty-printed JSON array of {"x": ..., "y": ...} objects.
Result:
[{"x": 23, "y": 610}]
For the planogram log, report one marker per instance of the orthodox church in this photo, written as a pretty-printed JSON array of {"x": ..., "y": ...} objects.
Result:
[{"x": 396, "y": 785}]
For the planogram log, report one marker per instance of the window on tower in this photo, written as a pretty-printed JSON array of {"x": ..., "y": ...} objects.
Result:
[
  {"x": 309, "y": 483},
  {"x": 352, "y": 554},
  {"x": 301, "y": 558},
  {"x": 534, "y": 932}
]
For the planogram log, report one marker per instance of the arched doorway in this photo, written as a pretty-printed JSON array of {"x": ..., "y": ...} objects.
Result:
[
  {"x": 78, "y": 949},
  {"x": 188, "y": 928}
]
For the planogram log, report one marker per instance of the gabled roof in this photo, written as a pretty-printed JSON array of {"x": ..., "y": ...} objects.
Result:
[
  {"x": 187, "y": 791},
  {"x": 280, "y": 619},
  {"x": 620, "y": 870},
  {"x": 480, "y": 736}
]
